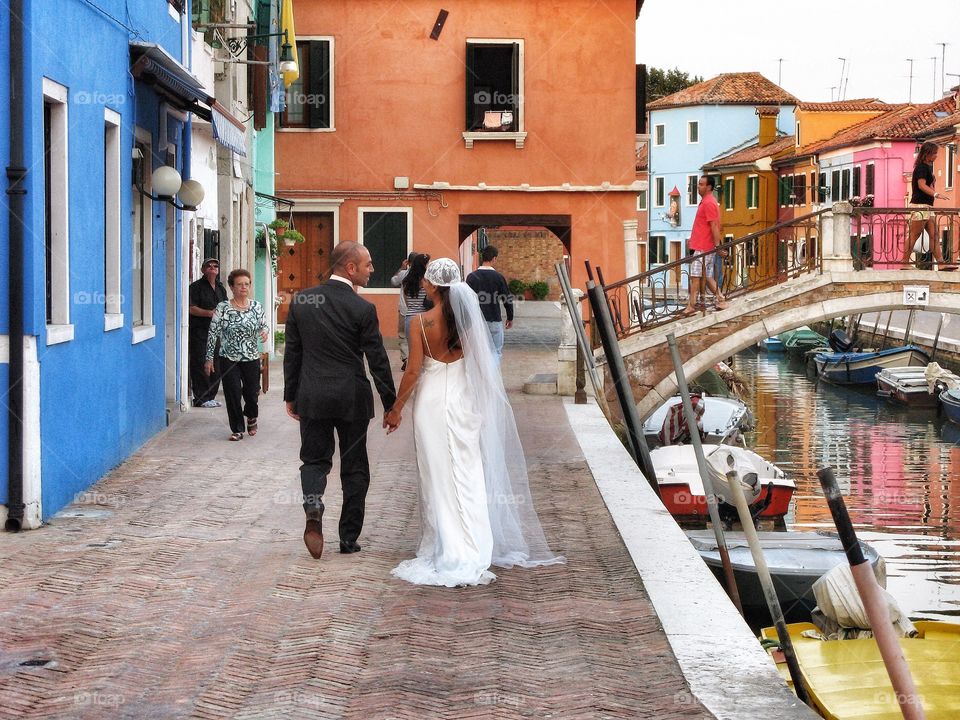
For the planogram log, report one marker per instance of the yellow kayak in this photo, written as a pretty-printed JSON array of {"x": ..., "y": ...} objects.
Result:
[{"x": 846, "y": 679}]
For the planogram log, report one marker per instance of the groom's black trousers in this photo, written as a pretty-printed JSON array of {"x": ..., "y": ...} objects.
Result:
[{"x": 316, "y": 453}]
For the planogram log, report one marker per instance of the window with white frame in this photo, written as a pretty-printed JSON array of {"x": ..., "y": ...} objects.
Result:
[
  {"x": 387, "y": 232},
  {"x": 142, "y": 235},
  {"x": 111, "y": 220},
  {"x": 657, "y": 250},
  {"x": 659, "y": 197},
  {"x": 693, "y": 132},
  {"x": 494, "y": 70},
  {"x": 641, "y": 201},
  {"x": 950, "y": 169},
  {"x": 753, "y": 192},
  {"x": 56, "y": 202},
  {"x": 659, "y": 134},
  {"x": 693, "y": 197}
]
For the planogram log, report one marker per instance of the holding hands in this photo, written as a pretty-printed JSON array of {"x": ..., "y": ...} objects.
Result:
[{"x": 391, "y": 419}]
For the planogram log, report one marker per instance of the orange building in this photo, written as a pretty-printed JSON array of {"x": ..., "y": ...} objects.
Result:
[{"x": 408, "y": 130}]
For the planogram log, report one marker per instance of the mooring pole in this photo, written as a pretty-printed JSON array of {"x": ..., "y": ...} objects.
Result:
[{"x": 936, "y": 339}]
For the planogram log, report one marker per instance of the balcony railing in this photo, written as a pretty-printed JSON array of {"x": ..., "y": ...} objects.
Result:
[{"x": 878, "y": 237}]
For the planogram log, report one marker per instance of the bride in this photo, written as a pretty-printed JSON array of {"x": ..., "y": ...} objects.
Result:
[{"x": 475, "y": 504}]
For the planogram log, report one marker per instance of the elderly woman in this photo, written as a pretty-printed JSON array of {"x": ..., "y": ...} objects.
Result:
[{"x": 237, "y": 323}]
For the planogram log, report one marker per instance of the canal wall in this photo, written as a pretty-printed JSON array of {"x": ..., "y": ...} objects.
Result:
[{"x": 721, "y": 659}]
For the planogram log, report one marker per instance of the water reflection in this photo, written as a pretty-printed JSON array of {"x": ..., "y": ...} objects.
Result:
[{"x": 899, "y": 470}]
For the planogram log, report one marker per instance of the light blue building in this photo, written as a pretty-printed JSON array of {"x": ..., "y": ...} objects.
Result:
[
  {"x": 106, "y": 104},
  {"x": 687, "y": 130}
]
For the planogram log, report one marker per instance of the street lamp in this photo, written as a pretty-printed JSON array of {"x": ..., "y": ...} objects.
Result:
[
  {"x": 168, "y": 185},
  {"x": 238, "y": 45}
]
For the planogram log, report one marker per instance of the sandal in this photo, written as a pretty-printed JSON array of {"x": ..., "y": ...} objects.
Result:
[
  {"x": 236, "y": 436},
  {"x": 251, "y": 426},
  {"x": 687, "y": 312}
]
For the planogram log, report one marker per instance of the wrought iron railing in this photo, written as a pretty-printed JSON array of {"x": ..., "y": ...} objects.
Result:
[
  {"x": 879, "y": 236},
  {"x": 759, "y": 260}
]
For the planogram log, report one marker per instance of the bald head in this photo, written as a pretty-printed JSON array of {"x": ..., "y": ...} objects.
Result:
[{"x": 352, "y": 260}]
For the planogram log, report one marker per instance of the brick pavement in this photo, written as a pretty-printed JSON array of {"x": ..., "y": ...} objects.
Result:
[{"x": 179, "y": 587}]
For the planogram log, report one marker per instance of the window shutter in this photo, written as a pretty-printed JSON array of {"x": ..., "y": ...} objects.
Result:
[
  {"x": 856, "y": 180},
  {"x": 870, "y": 179},
  {"x": 515, "y": 86},
  {"x": 471, "y": 83},
  {"x": 319, "y": 84}
]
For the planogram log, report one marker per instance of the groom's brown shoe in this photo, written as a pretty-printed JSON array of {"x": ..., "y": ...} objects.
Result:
[{"x": 313, "y": 538}]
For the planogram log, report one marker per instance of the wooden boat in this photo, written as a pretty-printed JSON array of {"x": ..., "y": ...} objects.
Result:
[
  {"x": 950, "y": 402},
  {"x": 909, "y": 385},
  {"x": 861, "y": 368},
  {"x": 846, "y": 679},
  {"x": 802, "y": 339},
  {"x": 772, "y": 344},
  {"x": 768, "y": 491},
  {"x": 796, "y": 560},
  {"x": 723, "y": 420}
]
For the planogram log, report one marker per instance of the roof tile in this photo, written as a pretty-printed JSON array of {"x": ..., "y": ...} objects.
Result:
[{"x": 748, "y": 88}]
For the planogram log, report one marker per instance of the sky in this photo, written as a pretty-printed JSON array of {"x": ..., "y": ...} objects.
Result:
[{"x": 875, "y": 36}]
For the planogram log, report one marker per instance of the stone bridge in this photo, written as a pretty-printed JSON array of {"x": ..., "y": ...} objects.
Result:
[{"x": 703, "y": 340}]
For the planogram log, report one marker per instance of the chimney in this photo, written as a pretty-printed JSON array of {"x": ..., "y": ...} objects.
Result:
[{"x": 768, "y": 123}]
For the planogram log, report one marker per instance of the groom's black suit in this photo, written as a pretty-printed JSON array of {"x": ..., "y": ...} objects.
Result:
[{"x": 329, "y": 330}]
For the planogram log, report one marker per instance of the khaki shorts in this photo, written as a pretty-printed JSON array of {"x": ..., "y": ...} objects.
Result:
[
  {"x": 703, "y": 265},
  {"x": 922, "y": 214}
]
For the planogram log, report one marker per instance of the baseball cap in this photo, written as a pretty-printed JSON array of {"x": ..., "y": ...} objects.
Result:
[{"x": 208, "y": 261}]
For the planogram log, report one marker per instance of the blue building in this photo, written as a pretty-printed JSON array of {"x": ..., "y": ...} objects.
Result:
[
  {"x": 105, "y": 112},
  {"x": 690, "y": 128}
]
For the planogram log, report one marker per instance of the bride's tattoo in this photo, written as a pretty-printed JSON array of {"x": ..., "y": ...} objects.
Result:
[{"x": 428, "y": 323}]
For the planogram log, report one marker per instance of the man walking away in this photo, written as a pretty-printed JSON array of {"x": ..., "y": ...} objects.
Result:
[
  {"x": 205, "y": 294},
  {"x": 704, "y": 238},
  {"x": 330, "y": 330},
  {"x": 491, "y": 288}
]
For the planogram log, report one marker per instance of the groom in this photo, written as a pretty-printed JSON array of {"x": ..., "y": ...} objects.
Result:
[{"x": 329, "y": 331}]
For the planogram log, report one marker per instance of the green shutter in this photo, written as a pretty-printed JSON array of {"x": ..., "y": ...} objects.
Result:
[
  {"x": 385, "y": 237},
  {"x": 319, "y": 85}
]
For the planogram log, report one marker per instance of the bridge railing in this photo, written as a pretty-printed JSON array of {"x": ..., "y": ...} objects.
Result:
[
  {"x": 878, "y": 236},
  {"x": 755, "y": 261}
]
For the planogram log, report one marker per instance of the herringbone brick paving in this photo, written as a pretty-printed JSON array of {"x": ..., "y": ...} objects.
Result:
[{"x": 179, "y": 587}]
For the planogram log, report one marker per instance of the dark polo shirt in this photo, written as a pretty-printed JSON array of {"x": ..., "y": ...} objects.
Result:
[{"x": 206, "y": 297}]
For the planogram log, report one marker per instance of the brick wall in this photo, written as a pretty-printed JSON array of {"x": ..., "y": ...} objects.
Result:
[{"x": 528, "y": 254}]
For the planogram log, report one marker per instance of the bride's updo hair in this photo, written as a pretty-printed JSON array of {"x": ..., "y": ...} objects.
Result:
[{"x": 442, "y": 273}]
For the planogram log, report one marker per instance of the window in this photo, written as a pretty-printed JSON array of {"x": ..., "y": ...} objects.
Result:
[
  {"x": 950, "y": 168},
  {"x": 494, "y": 86},
  {"x": 753, "y": 192},
  {"x": 388, "y": 234},
  {"x": 693, "y": 132},
  {"x": 142, "y": 237},
  {"x": 728, "y": 190},
  {"x": 799, "y": 192},
  {"x": 856, "y": 180},
  {"x": 641, "y": 200},
  {"x": 717, "y": 187},
  {"x": 785, "y": 187},
  {"x": 822, "y": 188},
  {"x": 870, "y": 179},
  {"x": 310, "y": 97},
  {"x": 658, "y": 197},
  {"x": 693, "y": 197},
  {"x": 659, "y": 134},
  {"x": 845, "y": 185},
  {"x": 176, "y": 6},
  {"x": 56, "y": 200},
  {"x": 111, "y": 220},
  {"x": 798, "y": 134},
  {"x": 835, "y": 185},
  {"x": 813, "y": 187},
  {"x": 657, "y": 247}
]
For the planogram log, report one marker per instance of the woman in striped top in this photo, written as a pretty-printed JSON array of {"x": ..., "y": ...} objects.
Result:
[
  {"x": 413, "y": 294},
  {"x": 237, "y": 323}
]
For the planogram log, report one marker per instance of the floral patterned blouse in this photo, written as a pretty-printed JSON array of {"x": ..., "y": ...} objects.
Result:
[{"x": 237, "y": 331}]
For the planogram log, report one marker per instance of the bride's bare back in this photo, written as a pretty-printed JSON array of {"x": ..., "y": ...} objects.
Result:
[{"x": 434, "y": 336}]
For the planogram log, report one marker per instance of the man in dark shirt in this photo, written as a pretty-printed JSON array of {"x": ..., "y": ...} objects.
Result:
[
  {"x": 491, "y": 288},
  {"x": 205, "y": 294}
]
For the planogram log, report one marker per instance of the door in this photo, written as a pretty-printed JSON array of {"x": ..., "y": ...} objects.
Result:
[{"x": 306, "y": 264}]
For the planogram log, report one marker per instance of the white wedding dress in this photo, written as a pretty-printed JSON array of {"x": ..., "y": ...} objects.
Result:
[{"x": 475, "y": 504}]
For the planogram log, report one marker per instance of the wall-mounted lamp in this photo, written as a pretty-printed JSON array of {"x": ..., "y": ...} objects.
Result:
[
  {"x": 238, "y": 45},
  {"x": 168, "y": 185}
]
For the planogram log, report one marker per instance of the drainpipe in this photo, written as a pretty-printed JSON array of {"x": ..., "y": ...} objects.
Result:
[{"x": 16, "y": 174}]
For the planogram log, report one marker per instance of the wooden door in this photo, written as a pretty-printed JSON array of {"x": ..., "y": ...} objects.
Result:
[{"x": 306, "y": 264}]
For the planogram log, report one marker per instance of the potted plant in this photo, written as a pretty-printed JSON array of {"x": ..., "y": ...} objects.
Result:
[
  {"x": 539, "y": 289},
  {"x": 292, "y": 237},
  {"x": 516, "y": 287}
]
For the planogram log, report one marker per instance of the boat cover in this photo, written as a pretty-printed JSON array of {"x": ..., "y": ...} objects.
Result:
[
  {"x": 839, "y": 602},
  {"x": 935, "y": 373}
]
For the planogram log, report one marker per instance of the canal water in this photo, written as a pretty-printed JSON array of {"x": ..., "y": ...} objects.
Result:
[{"x": 899, "y": 470}]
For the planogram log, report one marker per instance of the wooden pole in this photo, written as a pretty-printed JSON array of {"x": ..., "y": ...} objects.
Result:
[
  {"x": 873, "y": 601},
  {"x": 936, "y": 338},
  {"x": 766, "y": 582},
  {"x": 712, "y": 507}
]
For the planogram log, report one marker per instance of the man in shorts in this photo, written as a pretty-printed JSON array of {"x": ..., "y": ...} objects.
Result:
[{"x": 704, "y": 238}]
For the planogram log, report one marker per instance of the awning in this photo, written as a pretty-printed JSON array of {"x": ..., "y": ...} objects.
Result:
[
  {"x": 152, "y": 64},
  {"x": 227, "y": 130}
]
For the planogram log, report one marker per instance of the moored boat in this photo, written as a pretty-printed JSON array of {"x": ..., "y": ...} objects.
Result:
[
  {"x": 911, "y": 386},
  {"x": 847, "y": 679},
  {"x": 802, "y": 339},
  {"x": 796, "y": 560},
  {"x": 861, "y": 368},
  {"x": 950, "y": 402},
  {"x": 771, "y": 344},
  {"x": 767, "y": 489},
  {"x": 723, "y": 419}
]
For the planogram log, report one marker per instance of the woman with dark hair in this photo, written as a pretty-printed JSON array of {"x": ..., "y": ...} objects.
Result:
[
  {"x": 475, "y": 503},
  {"x": 412, "y": 290},
  {"x": 922, "y": 196},
  {"x": 237, "y": 323}
]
